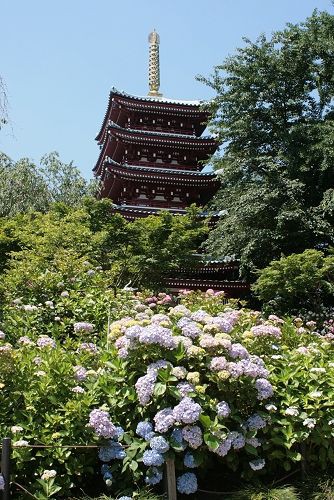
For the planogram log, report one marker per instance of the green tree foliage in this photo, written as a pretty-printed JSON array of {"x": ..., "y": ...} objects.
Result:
[
  {"x": 274, "y": 116},
  {"x": 299, "y": 281},
  {"x": 37, "y": 248},
  {"x": 25, "y": 186}
]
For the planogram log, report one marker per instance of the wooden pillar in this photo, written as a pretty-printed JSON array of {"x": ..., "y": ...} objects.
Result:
[{"x": 171, "y": 480}]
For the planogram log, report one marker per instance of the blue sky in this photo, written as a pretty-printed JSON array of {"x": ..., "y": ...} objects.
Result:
[{"x": 60, "y": 58}]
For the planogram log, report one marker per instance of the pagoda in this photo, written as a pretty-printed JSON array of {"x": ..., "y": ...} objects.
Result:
[
  {"x": 151, "y": 158},
  {"x": 152, "y": 150}
]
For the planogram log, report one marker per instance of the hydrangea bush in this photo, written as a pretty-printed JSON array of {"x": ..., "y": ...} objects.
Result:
[{"x": 149, "y": 379}]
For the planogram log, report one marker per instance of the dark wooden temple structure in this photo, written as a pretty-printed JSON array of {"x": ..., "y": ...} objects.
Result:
[{"x": 151, "y": 158}]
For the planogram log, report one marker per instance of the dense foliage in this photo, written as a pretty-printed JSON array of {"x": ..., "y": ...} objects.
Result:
[
  {"x": 273, "y": 113},
  {"x": 25, "y": 186},
  {"x": 36, "y": 248},
  {"x": 298, "y": 284}
]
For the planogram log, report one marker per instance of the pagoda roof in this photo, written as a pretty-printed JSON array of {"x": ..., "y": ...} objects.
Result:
[
  {"x": 160, "y": 133},
  {"x": 186, "y": 177},
  {"x": 152, "y": 103},
  {"x": 138, "y": 135},
  {"x": 162, "y": 170}
]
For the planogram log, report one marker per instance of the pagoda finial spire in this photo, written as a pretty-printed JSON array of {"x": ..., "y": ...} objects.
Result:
[{"x": 154, "y": 66}]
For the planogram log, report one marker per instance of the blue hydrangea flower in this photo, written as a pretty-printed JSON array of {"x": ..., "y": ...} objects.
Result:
[
  {"x": 189, "y": 460},
  {"x": 159, "y": 444},
  {"x": 223, "y": 409},
  {"x": 153, "y": 476},
  {"x": 144, "y": 428},
  {"x": 177, "y": 436},
  {"x": 107, "y": 475},
  {"x": 113, "y": 451},
  {"x": 153, "y": 457},
  {"x": 187, "y": 483}
]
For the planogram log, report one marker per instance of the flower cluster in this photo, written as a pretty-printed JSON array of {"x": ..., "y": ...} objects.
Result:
[{"x": 100, "y": 421}]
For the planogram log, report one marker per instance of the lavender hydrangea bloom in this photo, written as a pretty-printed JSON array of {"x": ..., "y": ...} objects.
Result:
[
  {"x": 223, "y": 409},
  {"x": 145, "y": 387},
  {"x": 191, "y": 330},
  {"x": 182, "y": 322},
  {"x": 133, "y": 332},
  {"x": 238, "y": 351},
  {"x": 164, "y": 420},
  {"x": 201, "y": 316},
  {"x": 253, "y": 369},
  {"x": 156, "y": 334},
  {"x": 153, "y": 476},
  {"x": 224, "y": 324},
  {"x": 187, "y": 411},
  {"x": 253, "y": 442},
  {"x": 237, "y": 439},
  {"x": 255, "y": 422},
  {"x": 159, "y": 443},
  {"x": 144, "y": 428},
  {"x": 101, "y": 423},
  {"x": 187, "y": 483},
  {"x": 160, "y": 318},
  {"x": 83, "y": 326},
  {"x": 154, "y": 367},
  {"x": 185, "y": 388},
  {"x": 235, "y": 369},
  {"x": 192, "y": 434},
  {"x": 45, "y": 341},
  {"x": 80, "y": 372},
  {"x": 264, "y": 388},
  {"x": 266, "y": 331},
  {"x": 218, "y": 364},
  {"x": 224, "y": 447},
  {"x": 189, "y": 461},
  {"x": 152, "y": 457},
  {"x": 88, "y": 347},
  {"x": 26, "y": 341},
  {"x": 78, "y": 390}
]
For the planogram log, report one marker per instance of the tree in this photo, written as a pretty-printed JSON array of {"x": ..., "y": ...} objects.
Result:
[
  {"x": 25, "y": 186},
  {"x": 274, "y": 116},
  {"x": 298, "y": 282}
]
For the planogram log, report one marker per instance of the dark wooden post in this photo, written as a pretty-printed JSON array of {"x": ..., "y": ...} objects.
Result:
[
  {"x": 5, "y": 466},
  {"x": 171, "y": 480}
]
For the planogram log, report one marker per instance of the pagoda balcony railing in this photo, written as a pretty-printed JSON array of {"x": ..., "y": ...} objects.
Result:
[
  {"x": 155, "y": 128},
  {"x": 156, "y": 164},
  {"x": 153, "y": 204}
]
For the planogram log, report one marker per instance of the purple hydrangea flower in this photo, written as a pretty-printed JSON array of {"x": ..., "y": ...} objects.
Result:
[
  {"x": 83, "y": 326},
  {"x": 101, "y": 423},
  {"x": 192, "y": 434},
  {"x": 187, "y": 483},
  {"x": 133, "y": 332},
  {"x": 164, "y": 420},
  {"x": 152, "y": 457},
  {"x": 156, "y": 334},
  {"x": 223, "y": 409},
  {"x": 187, "y": 411},
  {"x": 88, "y": 347},
  {"x": 45, "y": 341},
  {"x": 218, "y": 364},
  {"x": 237, "y": 439},
  {"x": 26, "y": 341},
  {"x": 224, "y": 447},
  {"x": 255, "y": 422},
  {"x": 185, "y": 388},
  {"x": 159, "y": 443},
  {"x": 201, "y": 316},
  {"x": 80, "y": 372},
  {"x": 191, "y": 330},
  {"x": 264, "y": 388},
  {"x": 145, "y": 387},
  {"x": 238, "y": 351},
  {"x": 266, "y": 331}
]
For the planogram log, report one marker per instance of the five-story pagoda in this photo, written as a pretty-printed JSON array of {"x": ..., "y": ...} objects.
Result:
[{"x": 152, "y": 150}]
